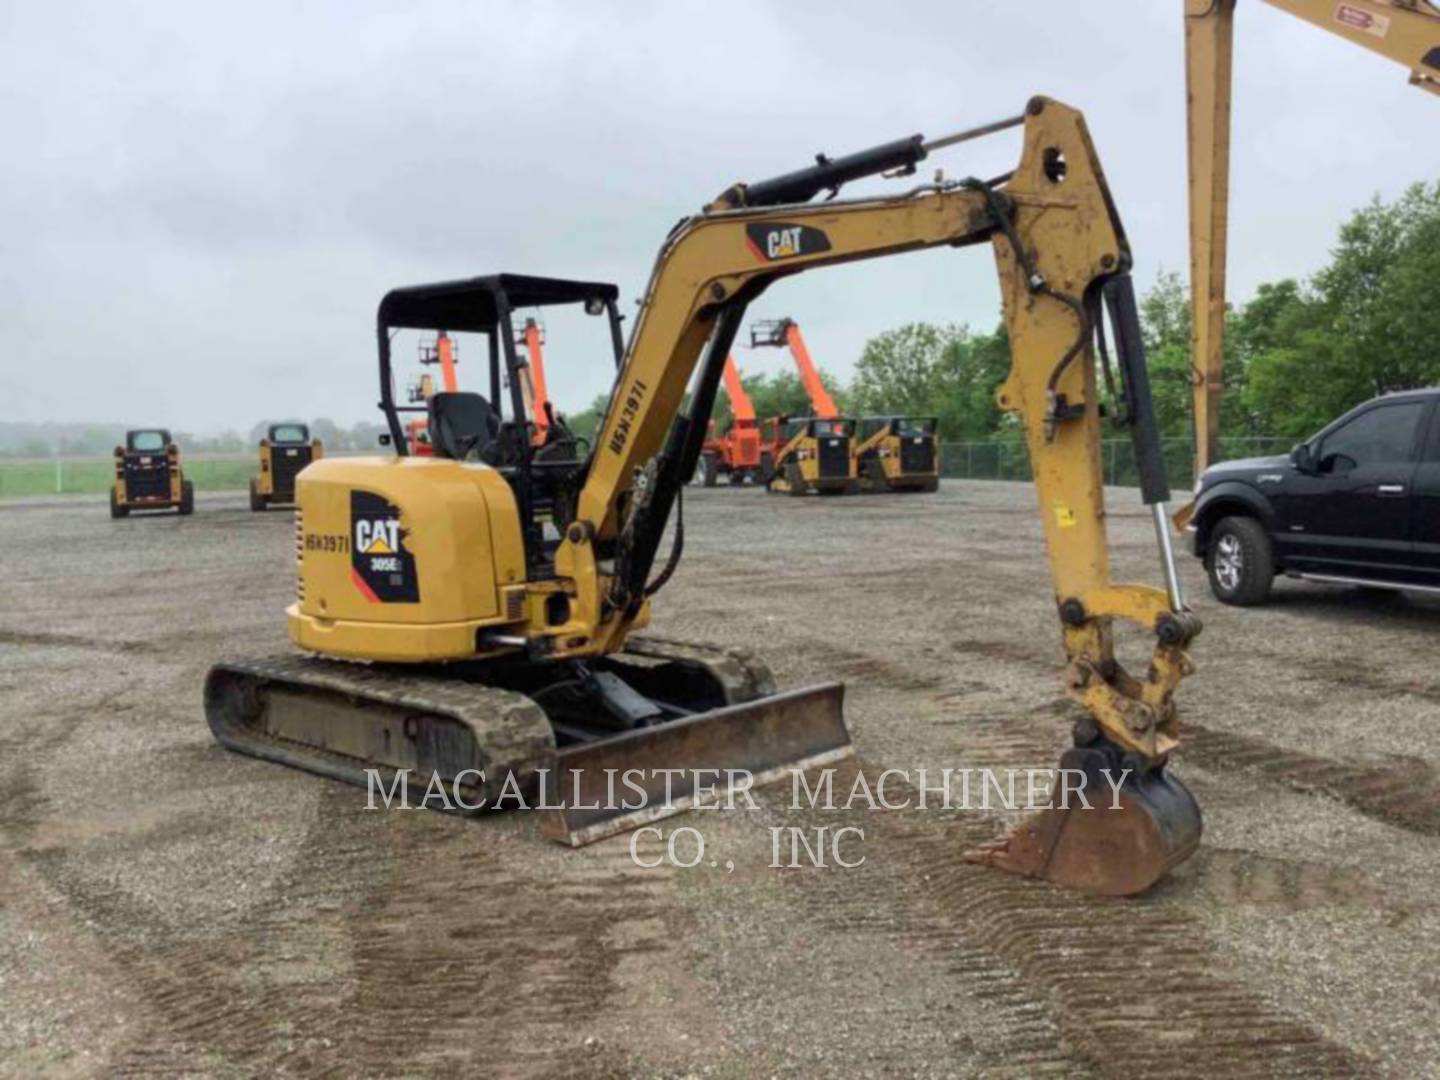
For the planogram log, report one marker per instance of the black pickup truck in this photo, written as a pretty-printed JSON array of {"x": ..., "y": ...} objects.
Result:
[{"x": 1358, "y": 503}]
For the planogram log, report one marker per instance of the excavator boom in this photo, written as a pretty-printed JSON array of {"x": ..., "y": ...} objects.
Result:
[{"x": 1406, "y": 31}]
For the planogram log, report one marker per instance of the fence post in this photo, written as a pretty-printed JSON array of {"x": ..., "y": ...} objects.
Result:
[{"x": 969, "y": 461}]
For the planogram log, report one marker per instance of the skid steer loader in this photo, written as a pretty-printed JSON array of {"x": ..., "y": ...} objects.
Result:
[
  {"x": 148, "y": 475},
  {"x": 499, "y": 647},
  {"x": 810, "y": 454},
  {"x": 897, "y": 453},
  {"x": 807, "y": 453},
  {"x": 284, "y": 451}
]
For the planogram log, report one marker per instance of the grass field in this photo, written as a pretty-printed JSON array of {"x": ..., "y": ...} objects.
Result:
[{"x": 94, "y": 476}]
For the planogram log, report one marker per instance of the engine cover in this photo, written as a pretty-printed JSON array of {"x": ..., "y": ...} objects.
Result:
[{"x": 404, "y": 558}]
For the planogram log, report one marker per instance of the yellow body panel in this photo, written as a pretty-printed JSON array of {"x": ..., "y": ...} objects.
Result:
[{"x": 456, "y": 532}]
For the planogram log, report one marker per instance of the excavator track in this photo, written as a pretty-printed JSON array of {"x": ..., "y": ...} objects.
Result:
[
  {"x": 740, "y": 674},
  {"x": 339, "y": 719},
  {"x": 360, "y": 723}
]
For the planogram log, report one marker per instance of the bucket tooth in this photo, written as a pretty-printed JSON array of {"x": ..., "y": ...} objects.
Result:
[{"x": 1111, "y": 843}]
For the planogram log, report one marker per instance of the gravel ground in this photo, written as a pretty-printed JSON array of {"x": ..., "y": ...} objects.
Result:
[{"x": 168, "y": 907}]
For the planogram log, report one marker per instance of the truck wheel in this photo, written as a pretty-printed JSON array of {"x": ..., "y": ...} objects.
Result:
[
  {"x": 258, "y": 502},
  {"x": 187, "y": 497},
  {"x": 116, "y": 510},
  {"x": 1240, "y": 563},
  {"x": 737, "y": 477},
  {"x": 931, "y": 485},
  {"x": 767, "y": 468},
  {"x": 709, "y": 466}
]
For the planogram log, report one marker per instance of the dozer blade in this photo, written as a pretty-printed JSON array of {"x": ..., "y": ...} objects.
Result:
[
  {"x": 1120, "y": 845},
  {"x": 699, "y": 757}
]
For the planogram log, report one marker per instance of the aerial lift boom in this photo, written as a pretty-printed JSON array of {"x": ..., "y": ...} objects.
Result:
[
  {"x": 537, "y": 397},
  {"x": 787, "y": 332},
  {"x": 741, "y": 407},
  {"x": 1406, "y": 31}
]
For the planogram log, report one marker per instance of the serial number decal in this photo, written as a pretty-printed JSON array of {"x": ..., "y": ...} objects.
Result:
[
  {"x": 338, "y": 543},
  {"x": 634, "y": 398}
]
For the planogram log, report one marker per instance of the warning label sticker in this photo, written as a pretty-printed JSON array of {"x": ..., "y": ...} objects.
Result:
[{"x": 1359, "y": 19}]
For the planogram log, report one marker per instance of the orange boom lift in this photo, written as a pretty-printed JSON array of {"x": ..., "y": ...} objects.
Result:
[
  {"x": 442, "y": 352},
  {"x": 736, "y": 454}
]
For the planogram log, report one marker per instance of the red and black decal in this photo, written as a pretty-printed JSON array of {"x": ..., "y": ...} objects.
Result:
[
  {"x": 776, "y": 240},
  {"x": 382, "y": 569}
]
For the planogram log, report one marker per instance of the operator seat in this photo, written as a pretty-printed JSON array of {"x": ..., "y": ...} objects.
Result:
[{"x": 464, "y": 427}]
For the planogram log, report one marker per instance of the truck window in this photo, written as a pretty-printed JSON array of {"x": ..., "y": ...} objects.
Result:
[{"x": 1383, "y": 435}]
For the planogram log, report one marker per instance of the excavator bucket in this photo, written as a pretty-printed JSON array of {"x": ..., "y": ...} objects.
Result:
[
  {"x": 621, "y": 783},
  {"x": 1110, "y": 843}
]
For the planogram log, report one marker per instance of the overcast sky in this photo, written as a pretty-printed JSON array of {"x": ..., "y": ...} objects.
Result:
[{"x": 203, "y": 202}]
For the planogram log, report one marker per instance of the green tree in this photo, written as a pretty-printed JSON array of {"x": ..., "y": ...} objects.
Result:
[
  {"x": 897, "y": 371},
  {"x": 1165, "y": 327},
  {"x": 1366, "y": 324},
  {"x": 585, "y": 422}
]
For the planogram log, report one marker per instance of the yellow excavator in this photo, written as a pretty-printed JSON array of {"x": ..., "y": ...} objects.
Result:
[
  {"x": 445, "y": 631},
  {"x": 1406, "y": 31}
]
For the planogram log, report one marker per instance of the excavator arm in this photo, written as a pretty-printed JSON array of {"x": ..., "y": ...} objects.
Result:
[
  {"x": 1406, "y": 31},
  {"x": 1061, "y": 253}
]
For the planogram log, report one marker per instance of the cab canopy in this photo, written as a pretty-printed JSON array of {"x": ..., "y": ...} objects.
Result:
[
  {"x": 147, "y": 440},
  {"x": 288, "y": 433}
]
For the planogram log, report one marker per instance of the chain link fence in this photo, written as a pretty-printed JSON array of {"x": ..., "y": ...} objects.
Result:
[{"x": 1010, "y": 460}]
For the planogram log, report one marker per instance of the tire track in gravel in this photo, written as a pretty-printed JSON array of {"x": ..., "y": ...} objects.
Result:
[
  {"x": 236, "y": 1000},
  {"x": 1137, "y": 992},
  {"x": 1406, "y": 794},
  {"x": 1085, "y": 985},
  {"x": 467, "y": 962},
  {"x": 396, "y": 950},
  {"x": 890, "y": 902}
]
